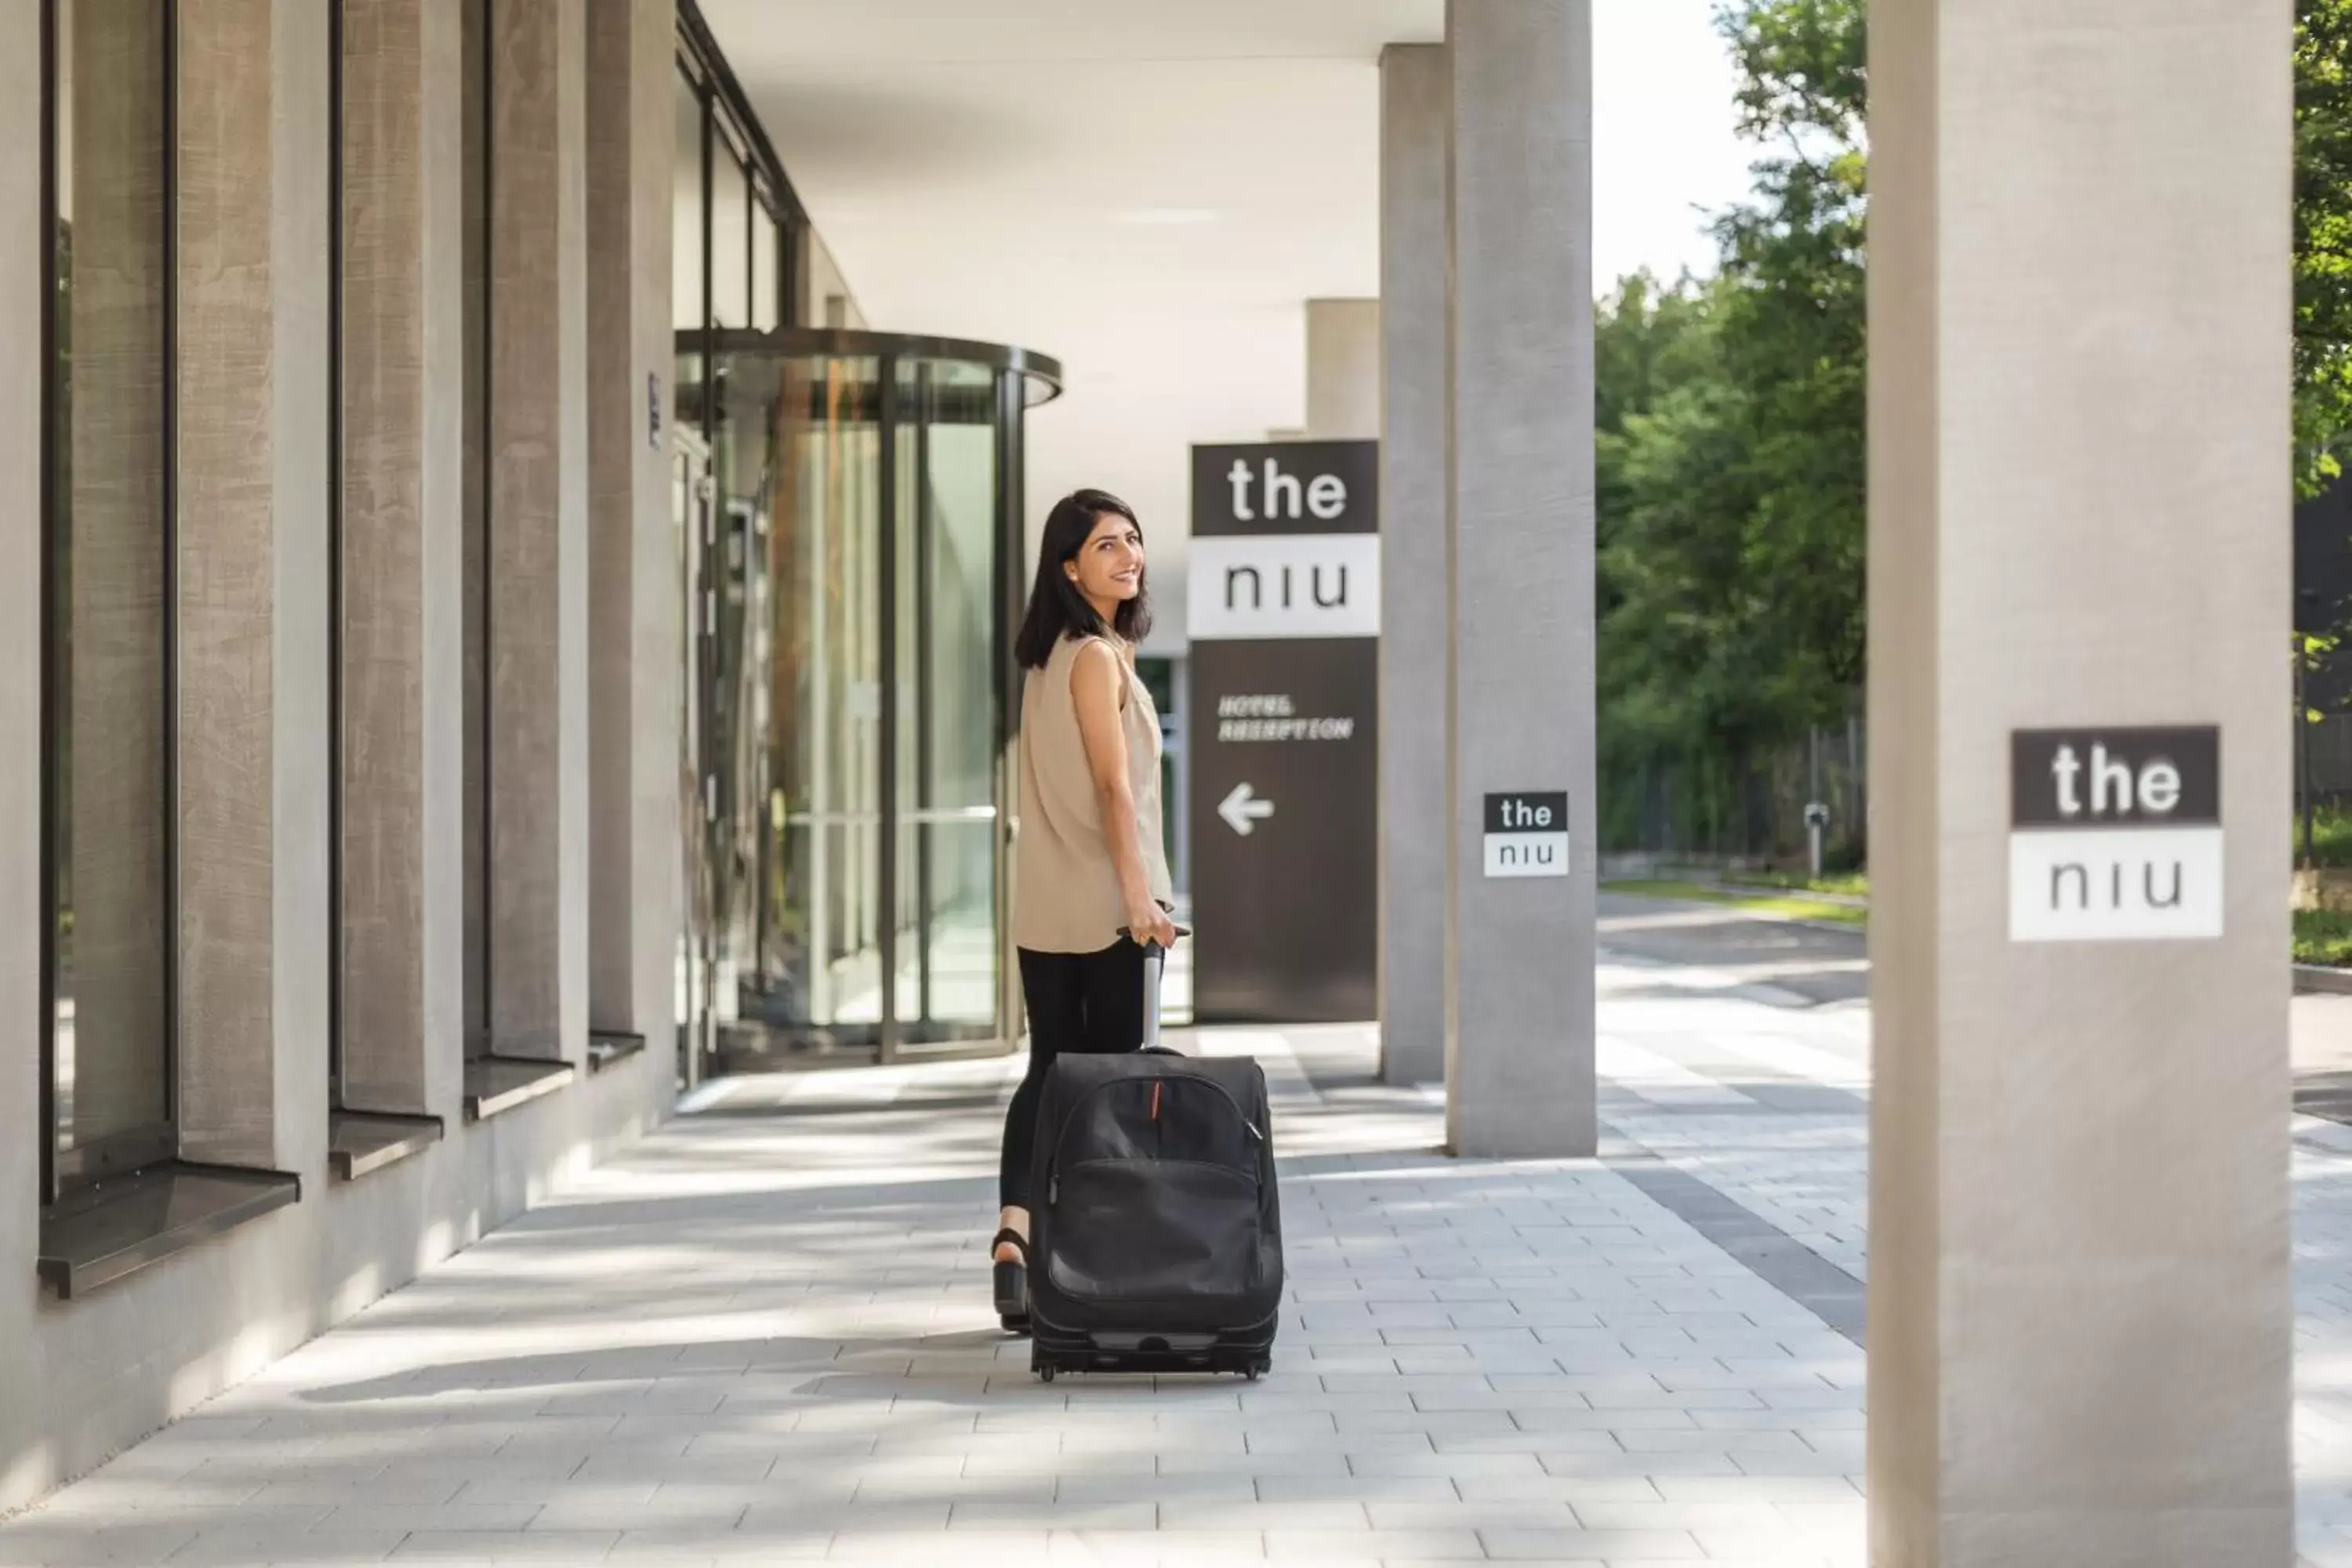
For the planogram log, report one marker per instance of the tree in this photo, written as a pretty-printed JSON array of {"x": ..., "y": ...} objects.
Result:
[
  {"x": 2323, "y": 240},
  {"x": 1732, "y": 412},
  {"x": 1794, "y": 335},
  {"x": 1729, "y": 442}
]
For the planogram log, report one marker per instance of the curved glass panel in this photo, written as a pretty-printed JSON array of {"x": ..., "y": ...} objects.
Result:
[
  {"x": 949, "y": 969},
  {"x": 850, "y": 707}
]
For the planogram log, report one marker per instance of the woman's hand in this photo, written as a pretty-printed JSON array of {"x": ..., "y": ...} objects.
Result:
[{"x": 1148, "y": 923}]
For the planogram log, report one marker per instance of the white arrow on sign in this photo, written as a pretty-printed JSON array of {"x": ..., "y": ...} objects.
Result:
[{"x": 1242, "y": 811}]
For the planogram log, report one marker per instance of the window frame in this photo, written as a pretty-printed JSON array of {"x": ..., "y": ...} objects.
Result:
[
  {"x": 65, "y": 1171},
  {"x": 727, "y": 117}
]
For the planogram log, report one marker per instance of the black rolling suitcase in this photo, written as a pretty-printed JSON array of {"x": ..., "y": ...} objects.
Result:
[{"x": 1157, "y": 1245}]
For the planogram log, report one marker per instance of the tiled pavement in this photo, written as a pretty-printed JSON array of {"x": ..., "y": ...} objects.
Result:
[{"x": 764, "y": 1336}]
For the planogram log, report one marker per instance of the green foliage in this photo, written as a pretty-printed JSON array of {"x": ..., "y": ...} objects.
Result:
[
  {"x": 1846, "y": 884},
  {"x": 2323, "y": 936},
  {"x": 2331, "y": 838},
  {"x": 2323, "y": 239},
  {"x": 1730, "y": 457},
  {"x": 2313, "y": 651},
  {"x": 1784, "y": 908},
  {"x": 1731, "y": 415}
]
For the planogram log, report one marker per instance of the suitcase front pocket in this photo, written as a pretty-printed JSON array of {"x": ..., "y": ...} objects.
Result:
[{"x": 1156, "y": 1230}]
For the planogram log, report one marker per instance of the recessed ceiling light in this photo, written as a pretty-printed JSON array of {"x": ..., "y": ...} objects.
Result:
[{"x": 1169, "y": 217}]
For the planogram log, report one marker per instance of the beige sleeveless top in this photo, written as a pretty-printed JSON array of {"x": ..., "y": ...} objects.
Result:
[{"x": 1065, "y": 890}]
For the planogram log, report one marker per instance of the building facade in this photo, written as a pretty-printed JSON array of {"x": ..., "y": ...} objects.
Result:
[{"x": 434, "y": 439}]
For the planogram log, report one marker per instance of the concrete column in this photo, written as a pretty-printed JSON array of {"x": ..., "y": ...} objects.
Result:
[
  {"x": 1518, "y": 409},
  {"x": 253, "y": 598},
  {"x": 633, "y": 570},
  {"x": 252, "y": 560},
  {"x": 1410, "y": 365},
  {"x": 23, "y": 302},
  {"x": 1343, "y": 370},
  {"x": 403, "y": 506},
  {"x": 2079, "y": 1311},
  {"x": 538, "y": 556}
]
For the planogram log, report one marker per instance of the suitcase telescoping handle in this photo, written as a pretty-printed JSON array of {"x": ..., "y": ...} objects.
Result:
[{"x": 1155, "y": 960}]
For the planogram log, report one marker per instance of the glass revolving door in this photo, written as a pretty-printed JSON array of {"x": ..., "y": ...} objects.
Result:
[{"x": 854, "y": 709}]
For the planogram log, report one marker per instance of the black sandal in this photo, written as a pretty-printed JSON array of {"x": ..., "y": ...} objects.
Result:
[{"x": 1011, "y": 1280}]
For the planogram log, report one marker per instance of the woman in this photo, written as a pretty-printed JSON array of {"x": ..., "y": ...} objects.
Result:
[{"x": 1089, "y": 864}]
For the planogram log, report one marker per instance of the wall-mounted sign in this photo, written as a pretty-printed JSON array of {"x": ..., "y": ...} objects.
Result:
[
  {"x": 1527, "y": 834},
  {"x": 1284, "y": 604},
  {"x": 2114, "y": 835}
]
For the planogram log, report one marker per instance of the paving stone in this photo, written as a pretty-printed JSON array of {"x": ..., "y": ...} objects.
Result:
[
  {"x": 508, "y": 1546},
  {"x": 1592, "y": 1545},
  {"x": 314, "y": 1548}
]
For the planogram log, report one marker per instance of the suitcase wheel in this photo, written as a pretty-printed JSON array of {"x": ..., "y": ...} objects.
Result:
[{"x": 1046, "y": 1373}]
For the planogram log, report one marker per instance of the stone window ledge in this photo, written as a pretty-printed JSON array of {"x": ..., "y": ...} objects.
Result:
[
  {"x": 112, "y": 1229},
  {"x": 496, "y": 1084},
  {"x": 360, "y": 1142},
  {"x": 606, "y": 1047}
]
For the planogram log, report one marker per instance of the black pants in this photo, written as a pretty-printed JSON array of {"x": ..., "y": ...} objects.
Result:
[{"x": 1080, "y": 1002}]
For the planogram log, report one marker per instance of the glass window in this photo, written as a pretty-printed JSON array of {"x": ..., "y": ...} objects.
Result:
[
  {"x": 108, "y": 545},
  {"x": 685, "y": 215},
  {"x": 766, "y": 289},
  {"x": 474, "y": 812},
  {"x": 730, "y": 238},
  {"x": 948, "y": 956}
]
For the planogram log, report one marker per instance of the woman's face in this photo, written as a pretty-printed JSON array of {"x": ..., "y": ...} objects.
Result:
[{"x": 1109, "y": 567}]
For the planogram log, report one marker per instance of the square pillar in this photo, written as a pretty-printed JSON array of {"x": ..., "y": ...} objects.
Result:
[
  {"x": 24, "y": 298},
  {"x": 536, "y": 603},
  {"x": 2080, "y": 1307},
  {"x": 1343, "y": 370},
  {"x": 632, "y": 744},
  {"x": 252, "y": 576},
  {"x": 1411, "y": 368},
  {"x": 1519, "y": 499},
  {"x": 403, "y": 584}
]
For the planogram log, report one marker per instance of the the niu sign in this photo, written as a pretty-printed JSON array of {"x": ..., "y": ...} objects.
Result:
[
  {"x": 1282, "y": 596},
  {"x": 1295, "y": 563},
  {"x": 1299, "y": 586},
  {"x": 1527, "y": 834},
  {"x": 2114, "y": 835}
]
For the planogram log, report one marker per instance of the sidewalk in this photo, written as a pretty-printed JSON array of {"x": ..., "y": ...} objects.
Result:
[{"x": 764, "y": 1336}]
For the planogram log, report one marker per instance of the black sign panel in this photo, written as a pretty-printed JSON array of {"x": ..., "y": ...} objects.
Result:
[
  {"x": 1287, "y": 487},
  {"x": 2116, "y": 778},
  {"x": 1540, "y": 811},
  {"x": 1283, "y": 697}
]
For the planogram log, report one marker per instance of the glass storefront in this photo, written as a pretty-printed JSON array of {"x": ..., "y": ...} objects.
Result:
[
  {"x": 848, "y": 524},
  {"x": 858, "y": 576}
]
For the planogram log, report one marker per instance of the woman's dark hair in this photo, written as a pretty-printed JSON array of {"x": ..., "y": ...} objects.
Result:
[{"x": 1056, "y": 608}]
